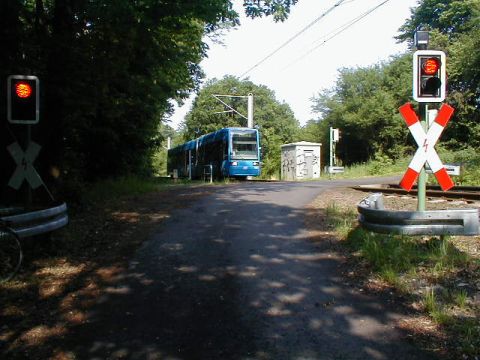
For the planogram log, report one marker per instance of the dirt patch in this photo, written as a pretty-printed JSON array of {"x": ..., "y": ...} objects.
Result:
[{"x": 65, "y": 275}]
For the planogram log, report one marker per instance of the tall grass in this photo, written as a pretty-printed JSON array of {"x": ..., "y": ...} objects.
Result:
[
  {"x": 128, "y": 185},
  {"x": 112, "y": 189},
  {"x": 381, "y": 165},
  {"x": 402, "y": 254},
  {"x": 468, "y": 159},
  {"x": 398, "y": 260}
]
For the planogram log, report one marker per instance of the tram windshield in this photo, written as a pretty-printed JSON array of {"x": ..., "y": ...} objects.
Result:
[{"x": 244, "y": 145}]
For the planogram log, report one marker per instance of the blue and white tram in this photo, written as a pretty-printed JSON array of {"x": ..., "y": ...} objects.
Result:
[{"x": 230, "y": 152}]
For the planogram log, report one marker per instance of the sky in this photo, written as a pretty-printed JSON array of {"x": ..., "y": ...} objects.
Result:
[{"x": 325, "y": 38}]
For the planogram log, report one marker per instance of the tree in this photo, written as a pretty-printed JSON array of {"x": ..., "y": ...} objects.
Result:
[
  {"x": 364, "y": 106},
  {"x": 108, "y": 71},
  {"x": 275, "y": 120},
  {"x": 310, "y": 132},
  {"x": 455, "y": 28},
  {"x": 365, "y": 101},
  {"x": 449, "y": 17},
  {"x": 279, "y": 9}
]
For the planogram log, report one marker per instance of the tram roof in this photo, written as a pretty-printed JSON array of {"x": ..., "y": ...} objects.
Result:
[{"x": 207, "y": 138}]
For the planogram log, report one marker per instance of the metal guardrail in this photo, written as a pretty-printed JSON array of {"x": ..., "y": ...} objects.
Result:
[
  {"x": 38, "y": 222},
  {"x": 458, "y": 192},
  {"x": 375, "y": 218}
]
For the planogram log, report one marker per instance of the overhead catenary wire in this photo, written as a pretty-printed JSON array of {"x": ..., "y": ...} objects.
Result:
[
  {"x": 335, "y": 33},
  {"x": 338, "y": 3}
]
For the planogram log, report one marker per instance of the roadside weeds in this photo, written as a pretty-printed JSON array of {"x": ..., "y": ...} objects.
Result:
[{"x": 438, "y": 279}]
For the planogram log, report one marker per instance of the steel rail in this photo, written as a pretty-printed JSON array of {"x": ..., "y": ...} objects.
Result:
[{"x": 459, "y": 192}]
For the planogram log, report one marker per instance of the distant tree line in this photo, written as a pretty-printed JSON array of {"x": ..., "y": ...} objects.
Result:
[
  {"x": 364, "y": 102},
  {"x": 275, "y": 120},
  {"x": 110, "y": 69}
]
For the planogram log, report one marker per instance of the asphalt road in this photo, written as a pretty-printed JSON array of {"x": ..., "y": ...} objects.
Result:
[{"x": 234, "y": 276}]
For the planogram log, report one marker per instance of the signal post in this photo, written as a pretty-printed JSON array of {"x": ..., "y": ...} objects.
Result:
[
  {"x": 23, "y": 108},
  {"x": 429, "y": 86}
]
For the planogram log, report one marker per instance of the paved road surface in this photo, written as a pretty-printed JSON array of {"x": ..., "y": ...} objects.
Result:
[{"x": 234, "y": 276}]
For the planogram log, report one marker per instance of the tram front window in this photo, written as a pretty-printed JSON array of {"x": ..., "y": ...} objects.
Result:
[{"x": 244, "y": 146}]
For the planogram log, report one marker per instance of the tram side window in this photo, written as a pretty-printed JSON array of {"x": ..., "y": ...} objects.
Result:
[{"x": 214, "y": 151}]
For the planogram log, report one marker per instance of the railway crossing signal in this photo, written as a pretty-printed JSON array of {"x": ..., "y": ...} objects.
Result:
[
  {"x": 23, "y": 99},
  {"x": 429, "y": 76},
  {"x": 25, "y": 169},
  {"x": 426, "y": 142}
]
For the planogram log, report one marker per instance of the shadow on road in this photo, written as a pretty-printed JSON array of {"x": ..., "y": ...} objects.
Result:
[{"x": 234, "y": 276}]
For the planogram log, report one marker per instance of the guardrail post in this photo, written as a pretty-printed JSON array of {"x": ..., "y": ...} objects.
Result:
[{"x": 374, "y": 201}]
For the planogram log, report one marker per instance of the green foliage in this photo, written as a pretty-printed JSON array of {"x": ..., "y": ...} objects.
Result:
[
  {"x": 310, "y": 132},
  {"x": 460, "y": 298},
  {"x": 401, "y": 260},
  {"x": 279, "y": 9},
  {"x": 159, "y": 158},
  {"x": 382, "y": 165},
  {"x": 364, "y": 103},
  {"x": 110, "y": 189},
  {"x": 108, "y": 71},
  {"x": 469, "y": 160},
  {"x": 448, "y": 16},
  {"x": 434, "y": 308},
  {"x": 402, "y": 254},
  {"x": 340, "y": 219},
  {"x": 455, "y": 28},
  {"x": 380, "y": 162},
  {"x": 275, "y": 120},
  {"x": 364, "y": 106}
]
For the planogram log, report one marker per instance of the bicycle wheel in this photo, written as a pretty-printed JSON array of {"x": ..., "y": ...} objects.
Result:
[{"x": 10, "y": 254}]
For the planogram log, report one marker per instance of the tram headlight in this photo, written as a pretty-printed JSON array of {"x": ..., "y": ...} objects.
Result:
[
  {"x": 256, "y": 163},
  {"x": 234, "y": 163}
]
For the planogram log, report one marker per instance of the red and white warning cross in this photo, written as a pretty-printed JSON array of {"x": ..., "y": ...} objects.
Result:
[
  {"x": 25, "y": 169},
  {"x": 426, "y": 142}
]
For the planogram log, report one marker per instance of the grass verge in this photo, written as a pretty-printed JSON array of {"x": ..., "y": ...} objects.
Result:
[{"x": 430, "y": 272}]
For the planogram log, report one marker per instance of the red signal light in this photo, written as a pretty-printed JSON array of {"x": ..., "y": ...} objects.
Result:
[
  {"x": 23, "y": 99},
  {"x": 23, "y": 90},
  {"x": 430, "y": 66},
  {"x": 429, "y": 76}
]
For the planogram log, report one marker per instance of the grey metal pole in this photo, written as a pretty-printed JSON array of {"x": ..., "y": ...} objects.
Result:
[
  {"x": 250, "y": 111},
  {"x": 422, "y": 177},
  {"x": 331, "y": 149},
  {"x": 28, "y": 189}
]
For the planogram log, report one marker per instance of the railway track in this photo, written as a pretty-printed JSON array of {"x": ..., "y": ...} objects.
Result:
[{"x": 471, "y": 193}]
